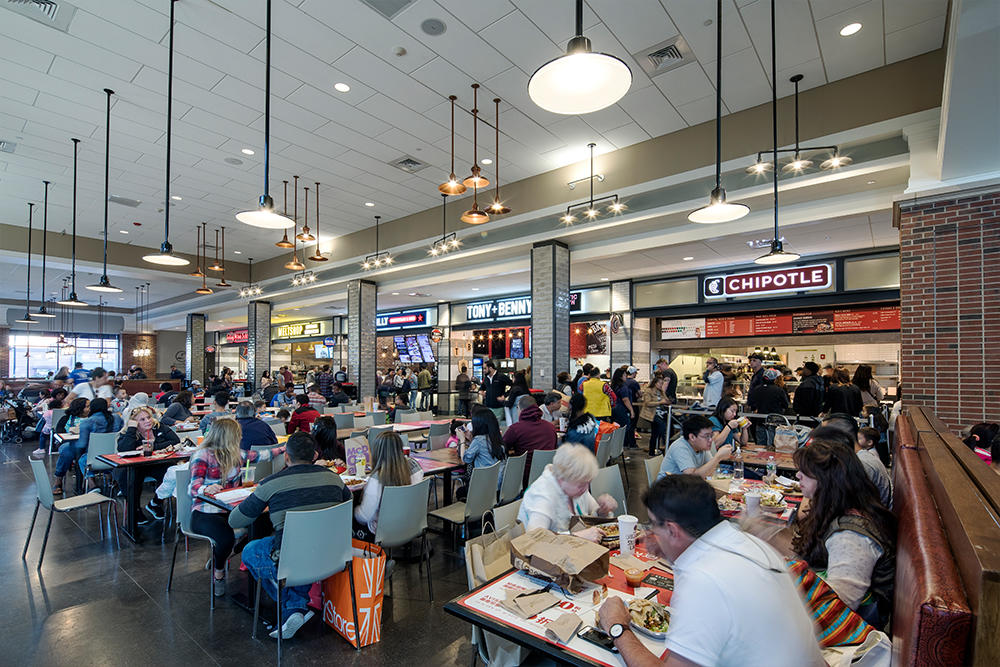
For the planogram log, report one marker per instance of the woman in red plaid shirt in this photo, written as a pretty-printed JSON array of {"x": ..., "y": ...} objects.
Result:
[{"x": 220, "y": 451}]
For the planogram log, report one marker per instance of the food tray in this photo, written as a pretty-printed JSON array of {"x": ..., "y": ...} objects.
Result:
[{"x": 646, "y": 631}]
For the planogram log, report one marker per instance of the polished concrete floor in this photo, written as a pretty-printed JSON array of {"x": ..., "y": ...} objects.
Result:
[{"x": 93, "y": 604}]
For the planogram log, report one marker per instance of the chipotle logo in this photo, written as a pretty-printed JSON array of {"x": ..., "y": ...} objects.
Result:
[{"x": 792, "y": 279}]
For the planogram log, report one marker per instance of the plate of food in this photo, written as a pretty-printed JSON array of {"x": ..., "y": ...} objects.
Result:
[
  {"x": 353, "y": 481},
  {"x": 770, "y": 503},
  {"x": 650, "y": 618}
]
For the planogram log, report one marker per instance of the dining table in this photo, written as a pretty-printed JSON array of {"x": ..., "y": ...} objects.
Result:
[
  {"x": 442, "y": 462},
  {"x": 754, "y": 455},
  {"x": 132, "y": 467}
]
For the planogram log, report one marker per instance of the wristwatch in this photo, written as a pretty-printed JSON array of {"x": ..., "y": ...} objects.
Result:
[{"x": 616, "y": 630}]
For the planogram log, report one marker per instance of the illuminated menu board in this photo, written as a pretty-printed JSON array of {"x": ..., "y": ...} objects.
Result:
[{"x": 842, "y": 320}]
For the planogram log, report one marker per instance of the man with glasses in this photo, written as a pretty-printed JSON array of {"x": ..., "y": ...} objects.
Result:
[
  {"x": 691, "y": 454},
  {"x": 733, "y": 603}
]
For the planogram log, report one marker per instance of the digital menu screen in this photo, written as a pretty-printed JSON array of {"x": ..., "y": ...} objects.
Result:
[
  {"x": 517, "y": 347},
  {"x": 877, "y": 318},
  {"x": 413, "y": 349},
  {"x": 401, "y": 351},
  {"x": 426, "y": 351}
]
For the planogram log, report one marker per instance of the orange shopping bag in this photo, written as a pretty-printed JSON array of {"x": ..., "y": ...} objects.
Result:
[
  {"x": 603, "y": 428},
  {"x": 340, "y": 598}
]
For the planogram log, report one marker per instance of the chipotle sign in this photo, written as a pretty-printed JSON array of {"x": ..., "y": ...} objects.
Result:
[{"x": 772, "y": 281}]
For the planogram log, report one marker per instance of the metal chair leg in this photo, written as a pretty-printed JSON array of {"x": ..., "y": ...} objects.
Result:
[
  {"x": 279, "y": 622},
  {"x": 425, "y": 552},
  {"x": 114, "y": 508},
  {"x": 173, "y": 560},
  {"x": 100, "y": 521},
  {"x": 256, "y": 611},
  {"x": 388, "y": 556},
  {"x": 48, "y": 527},
  {"x": 211, "y": 583},
  {"x": 354, "y": 605},
  {"x": 24, "y": 553}
]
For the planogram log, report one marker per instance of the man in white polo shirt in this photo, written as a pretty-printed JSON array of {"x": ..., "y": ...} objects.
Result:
[{"x": 734, "y": 603}]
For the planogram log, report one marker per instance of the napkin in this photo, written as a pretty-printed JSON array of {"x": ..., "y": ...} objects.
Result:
[
  {"x": 233, "y": 495},
  {"x": 630, "y": 563},
  {"x": 527, "y": 604},
  {"x": 563, "y": 628}
]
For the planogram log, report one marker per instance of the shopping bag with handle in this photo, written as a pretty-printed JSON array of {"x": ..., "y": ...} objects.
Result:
[{"x": 340, "y": 597}]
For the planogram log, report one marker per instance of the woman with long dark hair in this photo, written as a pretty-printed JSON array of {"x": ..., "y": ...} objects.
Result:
[
  {"x": 328, "y": 445},
  {"x": 871, "y": 391},
  {"x": 622, "y": 411},
  {"x": 847, "y": 534},
  {"x": 582, "y": 426},
  {"x": 390, "y": 467},
  {"x": 100, "y": 421},
  {"x": 726, "y": 428}
]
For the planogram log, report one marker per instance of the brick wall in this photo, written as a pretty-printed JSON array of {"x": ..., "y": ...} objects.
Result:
[
  {"x": 129, "y": 344},
  {"x": 950, "y": 299},
  {"x": 4, "y": 351}
]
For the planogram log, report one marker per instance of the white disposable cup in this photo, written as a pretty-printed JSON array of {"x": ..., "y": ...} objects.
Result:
[
  {"x": 626, "y": 534},
  {"x": 563, "y": 423},
  {"x": 753, "y": 504}
]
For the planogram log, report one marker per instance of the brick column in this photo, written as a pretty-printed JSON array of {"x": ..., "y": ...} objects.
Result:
[
  {"x": 131, "y": 342},
  {"x": 621, "y": 343},
  {"x": 194, "y": 348},
  {"x": 950, "y": 298},
  {"x": 549, "y": 313},
  {"x": 443, "y": 354},
  {"x": 5, "y": 352},
  {"x": 258, "y": 341},
  {"x": 361, "y": 336}
]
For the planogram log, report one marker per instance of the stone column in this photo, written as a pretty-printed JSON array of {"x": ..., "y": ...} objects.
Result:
[
  {"x": 258, "y": 341},
  {"x": 950, "y": 303},
  {"x": 194, "y": 348},
  {"x": 361, "y": 336},
  {"x": 621, "y": 343},
  {"x": 445, "y": 399},
  {"x": 549, "y": 313}
]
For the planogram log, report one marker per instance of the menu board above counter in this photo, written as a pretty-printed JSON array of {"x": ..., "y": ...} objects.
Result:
[{"x": 845, "y": 320}]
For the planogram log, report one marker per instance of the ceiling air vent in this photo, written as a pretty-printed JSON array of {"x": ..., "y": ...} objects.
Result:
[
  {"x": 388, "y": 8},
  {"x": 124, "y": 201},
  {"x": 665, "y": 56},
  {"x": 48, "y": 12},
  {"x": 409, "y": 164},
  {"x": 7, "y": 146}
]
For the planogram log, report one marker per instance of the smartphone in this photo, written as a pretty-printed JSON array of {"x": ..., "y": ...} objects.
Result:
[
  {"x": 598, "y": 638},
  {"x": 657, "y": 581}
]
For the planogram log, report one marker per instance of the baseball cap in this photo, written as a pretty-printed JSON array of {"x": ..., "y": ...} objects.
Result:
[
  {"x": 631, "y": 370},
  {"x": 772, "y": 374}
]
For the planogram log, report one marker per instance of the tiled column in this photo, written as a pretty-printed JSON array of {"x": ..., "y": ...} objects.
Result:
[
  {"x": 194, "y": 348},
  {"x": 950, "y": 305},
  {"x": 258, "y": 341},
  {"x": 361, "y": 336},
  {"x": 621, "y": 342},
  {"x": 549, "y": 313},
  {"x": 443, "y": 353},
  {"x": 5, "y": 352}
]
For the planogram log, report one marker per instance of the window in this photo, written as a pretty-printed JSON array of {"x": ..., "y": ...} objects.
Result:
[{"x": 44, "y": 355}]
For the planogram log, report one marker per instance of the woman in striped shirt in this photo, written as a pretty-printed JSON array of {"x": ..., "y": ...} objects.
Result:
[{"x": 217, "y": 466}]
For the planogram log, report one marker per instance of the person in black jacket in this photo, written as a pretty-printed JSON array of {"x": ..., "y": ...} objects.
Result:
[
  {"x": 808, "y": 399},
  {"x": 767, "y": 398},
  {"x": 255, "y": 431},
  {"x": 843, "y": 396},
  {"x": 144, "y": 432},
  {"x": 179, "y": 410},
  {"x": 338, "y": 397},
  {"x": 756, "y": 361}
]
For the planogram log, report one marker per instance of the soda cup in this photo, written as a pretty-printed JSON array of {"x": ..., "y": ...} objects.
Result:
[
  {"x": 406, "y": 450},
  {"x": 626, "y": 534},
  {"x": 563, "y": 424}
]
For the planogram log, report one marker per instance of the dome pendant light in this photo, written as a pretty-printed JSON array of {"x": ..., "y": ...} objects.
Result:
[
  {"x": 475, "y": 216},
  {"x": 452, "y": 186},
  {"x": 264, "y": 216},
  {"x": 497, "y": 207},
  {"x": 581, "y": 81},
  {"x": 27, "y": 318},
  {"x": 42, "y": 312},
  {"x": 222, "y": 282},
  {"x": 305, "y": 235},
  {"x": 777, "y": 255},
  {"x": 284, "y": 242},
  {"x": 476, "y": 180},
  {"x": 73, "y": 300},
  {"x": 204, "y": 289},
  {"x": 294, "y": 264},
  {"x": 166, "y": 256},
  {"x": 317, "y": 256},
  {"x": 718, "y": 209},
  {"x": 197, "y": 273},
  {"x": 105, "y": 285}
]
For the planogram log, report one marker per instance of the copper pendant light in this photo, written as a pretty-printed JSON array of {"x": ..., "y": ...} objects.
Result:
[
  {"x": 222, "y": 282},
  {"x": 475, "y": 216},
  {"x": 42, "y": 312},
  {"x": 305, "y": 235},
  {"x": 317, "y": 256},
  {"x": 284, "y": 242},
  {"x": 204, "y": 289},
  {"x": 497, "y": 207},
  {"x": 476, "y": 180},
  {"x": 294, "y": 264},
  {"x": 27, "y": 318},
  {"x": 453, "y": 186},
  {"x": 197, "y": 273},
  {"x": 215, "y": 265},
  {"x": 73, "y": 299}
]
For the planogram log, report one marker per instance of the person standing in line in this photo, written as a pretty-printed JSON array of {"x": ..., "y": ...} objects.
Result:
[
  {"x": 599, "y": 396},
  {"x": 714, "y": 379},
  {"x": 463, "y": 386},
  {"x": 766, "y": 398},
  {"x": 651, "y": 399},
  {"x": 809, "y": 396},
  {"x": 324, "y": 379},
  {"x": 493, "y": 389},
  {"x": 341, "y": 375},
  {"x": 872, "y": 392},
  {"x": 663, "y": 366},
  {"x": 424, "y": 386},
  {"x": 623, "y": 413},
  {"x": 756, "y": 363},
  {"x": 843, "y": 396}
]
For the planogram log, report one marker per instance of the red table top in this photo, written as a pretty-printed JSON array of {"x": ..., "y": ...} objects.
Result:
[{"x": 119, "y": 461}]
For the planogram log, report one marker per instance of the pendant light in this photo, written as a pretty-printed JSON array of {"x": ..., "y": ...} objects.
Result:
[
  {"x": 284, "y": 242},
  {"x": 453, "y": 186},
  {"x": 197, "y": 273},
  {"x": 778, "y": 254},
  {"x": 104, "y": 285},
  {"x": 317, "y": 256},
  {"x": 264, "y": 215},
  {"x": 377, "y": 258},
  {"x": 581, "y": 81},
  {"x": 475, "y": 216},
  {"x": 476, "y": 180},
  {"x": 718, "y": 209},
  {"x": 73, "y": 300},
  {"x": 497, "y": 207},
  {"x": 215, "y": 265},
  {"x": 305, "y": 235},
  {"x": 252, "y": 289},
  {"x": 204, "y": 289},
  {"x": 222, "y": 282},
  {"x": 42, "y": 312},
  {"x": 294, "y": 264},
  {"x": 27, "y": 318},
  {"x": 447, "y": 242},
  {"x": 166, "y": 256}
]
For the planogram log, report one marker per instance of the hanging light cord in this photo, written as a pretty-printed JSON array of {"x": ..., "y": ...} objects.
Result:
[
  {"x": 718, "y": 96},
  {"x": 27, "y": 292},
  {"x": 107, "y": 173},
  {"x": 45, "y": 242},
  {"x": 267, "y": 98},
  {"x": 796, "y": 83},
  {"x": 318, "y": 254},
  {"x": 592, "y": 145},
  {"x": 76, "y": 145},
  {"x": 774, "y": 116},
  {"x": 579, "y": 18},
  {"x": 170, "y": 100}
]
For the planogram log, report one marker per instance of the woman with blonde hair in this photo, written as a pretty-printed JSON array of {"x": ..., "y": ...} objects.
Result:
[
  {"x": 389, "y": 468},
  {"x": 144, "y": 432},
  {"x": 216, "y": 466}
]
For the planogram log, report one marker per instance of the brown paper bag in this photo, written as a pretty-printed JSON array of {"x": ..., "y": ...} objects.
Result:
[
  {"x": 564, "y": 628},
  {"x": 567, "y": 560}
]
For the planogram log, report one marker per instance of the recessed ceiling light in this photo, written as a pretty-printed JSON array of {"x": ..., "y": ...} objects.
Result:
[
  {"x": 341, "y": 87},
  {"x": 871, "y": 182},
  {"x": 237, "y": 252},
  {"x": 123, "y": 231},
  {"x": 687, "y": 259},
  {"x": 486, "y": 160},
  {"x": 247, "y": 151},
  {"x": 121, "y": 298},
  {"x": 475, "y": 289},
  {"x": 850, "y": 29},
  {"x": 175, "y": 198},
  {"x": 395, "y": 293},
  {"x": 233, "y": 161},
  {"x": 440, "y": 300},
  {"x": 604, "y": 279},
  {"x": 369, "y": 204},
  {"x": 413, "y": 293}
]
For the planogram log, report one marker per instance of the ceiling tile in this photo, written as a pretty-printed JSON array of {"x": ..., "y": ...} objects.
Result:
[
  {"x": 822, "y": 9},
  {"x": 914, "y": 40},
  {"x": 642, "y": 25},
  {"x": 699, "y": 111},
  {"x": 338, "y": 111},
  {"x": 652, "y": 111},
  {"x": 796, "y": 33},
  {"x": 864, "y": 50},
  {"x": 477, "y": 15},
  {"x": 690, "y": 16},
  {"x": 556, "y": 19},
  {"x": 532, "y": 48},
  {"x": 626, "y": 135},
  {"x": 743, "y": 82},
  {"x": 25, "y": 54},
  {"x": 399, "y": 116},
  {"x": 901, "y": 14},
  {"x": 685, "y": 84},
  {"x": 379, "y": 75}
]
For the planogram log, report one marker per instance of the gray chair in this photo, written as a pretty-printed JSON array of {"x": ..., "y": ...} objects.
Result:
[
  {"x": 346, "y": 420},
  {"x": 57, "y": 414},
  {"x": 653, "y": 468},
  {"x": 439, "y": 429},
  {"x": 278, "y": 427},
  {"x": 513, "y": 478},
  {"x": 278, "y": 464},
  {"x": 359, "y": 422},
  {"x": 603, "y": 451},
  {"x": 438, "y": 441},
  {"x": 44, "y": 498},
  {"x": 609, "y": 481},
  {"x": 100, "y": 445},
  {"x": 481, "y": 498},
  {"x": 539, "y": 459},
  {"x": 423, "y": 416},
  {"x": 262, "y": 469},
  {"x": 404, "y": 416},
  {"x": 617, "y": 450},
  {"x": 333, "y": 410},
  {"x": 505, "y": 516},
  {"x": 359, "y": 434},
  {"x": 374, "y": 431},
  {"x": 184, "y": 504},
  {"x": 402, "y": 518},
  {"x": 305, "y": 534},
  {"x": 378, "y": 417}
]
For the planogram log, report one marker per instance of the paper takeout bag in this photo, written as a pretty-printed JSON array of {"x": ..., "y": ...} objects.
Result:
[
  {"x": 567, "y": 560},
  {"x": 354, "y": 450}
]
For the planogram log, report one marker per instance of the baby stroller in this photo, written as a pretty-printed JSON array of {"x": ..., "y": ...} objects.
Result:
[{"x": 15, "y": 416}]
